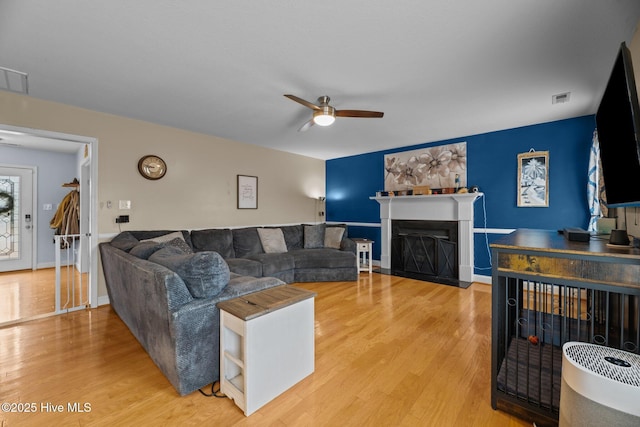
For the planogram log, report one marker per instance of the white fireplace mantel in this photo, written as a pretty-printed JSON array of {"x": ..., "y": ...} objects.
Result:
[{"x": 434, "y": 207}]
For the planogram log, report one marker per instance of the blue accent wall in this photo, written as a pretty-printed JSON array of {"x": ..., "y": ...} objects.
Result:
[{"x": 492, "y": 165}]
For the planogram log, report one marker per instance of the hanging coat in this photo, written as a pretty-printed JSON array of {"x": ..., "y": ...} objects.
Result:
[{"x": 66, "y": 220}]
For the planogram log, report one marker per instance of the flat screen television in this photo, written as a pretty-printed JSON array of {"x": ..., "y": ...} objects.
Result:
[{"x": 618, "y": 125}]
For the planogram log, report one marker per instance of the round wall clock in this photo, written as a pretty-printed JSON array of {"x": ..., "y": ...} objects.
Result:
[{"x": 152, "y": 167}]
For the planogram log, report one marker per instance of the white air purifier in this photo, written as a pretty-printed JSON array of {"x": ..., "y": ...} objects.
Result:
[{"x": 600, "y": 386}]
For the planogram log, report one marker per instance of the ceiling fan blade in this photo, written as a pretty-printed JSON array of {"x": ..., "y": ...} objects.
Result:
[
  {"x": 306, "y": 126},
  {"x": 359, "y": 113},
  {"x": 303, "y": 102}
]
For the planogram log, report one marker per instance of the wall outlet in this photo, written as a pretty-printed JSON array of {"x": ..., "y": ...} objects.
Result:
[
  {"x": 125, "y": 204},
  {"x": 122, "y": 219}
]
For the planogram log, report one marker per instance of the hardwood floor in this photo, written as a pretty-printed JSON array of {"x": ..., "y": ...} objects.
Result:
[
  {"x": 29, "y": 294},
  {"x": 390, "y": 351}
]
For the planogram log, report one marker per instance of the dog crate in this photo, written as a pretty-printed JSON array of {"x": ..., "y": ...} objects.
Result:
[{"x": 543, "y": 299}]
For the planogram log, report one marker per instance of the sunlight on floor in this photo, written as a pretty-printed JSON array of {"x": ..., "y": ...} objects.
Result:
[{"x": 27, "y": 293}]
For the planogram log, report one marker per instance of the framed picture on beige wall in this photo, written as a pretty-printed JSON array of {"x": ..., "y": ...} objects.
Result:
[{"x": 247, "y": 192}]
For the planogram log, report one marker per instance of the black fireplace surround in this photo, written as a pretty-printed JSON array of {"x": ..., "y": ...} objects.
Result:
[{"x": 425, "y": 250}]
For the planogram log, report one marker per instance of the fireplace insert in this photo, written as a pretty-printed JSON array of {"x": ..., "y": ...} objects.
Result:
[{"x": 425, "y": 250}]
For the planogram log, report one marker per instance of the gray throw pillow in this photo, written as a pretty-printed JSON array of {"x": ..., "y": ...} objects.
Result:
[
  {"x": 272, "y": 240},
  {"x": 205, "y": 273},
  {"x": 314, "y": 236},
  {"x": 124, "y": 241},
  {"x": 333, "y": 237},
  {"x": 216, "y": 240},
  {"x": 179, "y": 243},
  {"x": 145, "y": 249}
]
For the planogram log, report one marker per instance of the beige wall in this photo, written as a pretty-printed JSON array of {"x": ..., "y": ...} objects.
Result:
[{"x": 199, "y": 189}]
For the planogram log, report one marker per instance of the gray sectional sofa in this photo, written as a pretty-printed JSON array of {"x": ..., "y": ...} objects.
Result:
[
  {"x": 165, "y": 285},
  {"x": 293, "y": 253}
]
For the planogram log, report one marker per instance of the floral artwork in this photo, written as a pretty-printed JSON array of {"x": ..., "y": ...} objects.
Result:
[
  {"x": 533, "y": 175},
  {"x": 443, "y": 166}
]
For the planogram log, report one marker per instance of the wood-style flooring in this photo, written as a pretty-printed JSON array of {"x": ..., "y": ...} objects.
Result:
[
  {"x": 30, "y": 294},
  {"x": 390, "y": 351}
]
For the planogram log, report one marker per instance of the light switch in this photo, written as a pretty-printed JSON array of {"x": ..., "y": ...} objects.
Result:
[
  {"x": 125, "y": 204},
  {"x": 47, "y": 207}
]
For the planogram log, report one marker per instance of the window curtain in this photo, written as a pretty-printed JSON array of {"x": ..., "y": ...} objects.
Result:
[{"x": 595, "y": 186}]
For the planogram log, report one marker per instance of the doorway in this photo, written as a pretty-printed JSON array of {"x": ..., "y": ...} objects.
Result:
[{"x": 85, "y": 149}]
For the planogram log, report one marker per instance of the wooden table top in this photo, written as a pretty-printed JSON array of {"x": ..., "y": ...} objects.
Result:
[
  {"x": 553, "y": 241},
  {"x": 250, "y": 306}
]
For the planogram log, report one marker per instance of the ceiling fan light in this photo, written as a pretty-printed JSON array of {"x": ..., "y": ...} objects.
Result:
[{"x": 324, "y": 117}]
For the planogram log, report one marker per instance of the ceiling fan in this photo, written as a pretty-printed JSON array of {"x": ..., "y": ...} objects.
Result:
[{"x": 324, "y": 114}]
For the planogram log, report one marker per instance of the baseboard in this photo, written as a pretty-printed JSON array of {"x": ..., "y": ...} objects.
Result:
[
  {"x": 43, "y": 265},
  {"x": 103, "y": 300},
  {"x": 482, "y": 279}
]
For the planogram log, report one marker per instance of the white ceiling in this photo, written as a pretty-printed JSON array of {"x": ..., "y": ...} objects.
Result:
[{"x": 438, "y": 69}]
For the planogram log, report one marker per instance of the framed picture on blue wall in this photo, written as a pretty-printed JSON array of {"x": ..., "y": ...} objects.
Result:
[{"x": 533, "y": 179}]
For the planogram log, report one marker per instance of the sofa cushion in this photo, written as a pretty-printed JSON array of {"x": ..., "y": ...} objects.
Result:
[
  {"x": 242, "y": 285},
  {"x": 205, "y": 273},
  {"x": 216, "y": 240},
  {"x": 124, "y": 241},
  {"x": 245, "y": 267},
  {"x": 314, "y": 236},
  {"x": 152, "y": 234},
  {"x": 323, "y": 258},
  {"x": 333, "y": 237},
  {"x": 272, "y": 240},
  {"x": 147, "y": 248},
  {"x": 246, "y": 242},
  {"x": 144, "y": 250},
  {"x": 273, "y": 264},
  {"x": 293, "y": 236}
]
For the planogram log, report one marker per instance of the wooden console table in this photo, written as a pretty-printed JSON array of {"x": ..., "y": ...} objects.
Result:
[
  {"x": 546, "y": 291},
  {"x": 266, "y": 344}
]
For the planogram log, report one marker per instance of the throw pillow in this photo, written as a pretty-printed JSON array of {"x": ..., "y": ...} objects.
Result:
[
  {"x": 179, "y": 243},
  {"x": 215, "y": 240},
  {"x": 145, "y": 249},
  {"x": 272, "y": 240},
  {"x": 333, "y": 237},
  {"x": 204, "y": 273},
  {"x": 246, "y": 242},
  {"x": 124, "y": 241},
  {"x": 166, "y": 237},
  {"x": 293, "y": 236},
  {"x": 314, "y": 236}
]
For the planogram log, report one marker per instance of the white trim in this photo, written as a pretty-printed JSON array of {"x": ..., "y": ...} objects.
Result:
[
  {"x": 482, "y": 279},
  {"x": 357, "y": 224},
  {"x": 44, "y": 265},
  {"x": 494, "y": 230},
  {"x": 103, "y": 300},
  {"x": 476, "y": 230}
]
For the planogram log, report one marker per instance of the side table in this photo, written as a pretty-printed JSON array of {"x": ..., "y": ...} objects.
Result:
[
  {"x": 266, "y": 344},
  {"x": 363, "y": 254}
]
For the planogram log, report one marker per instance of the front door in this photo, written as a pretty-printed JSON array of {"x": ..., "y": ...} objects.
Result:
[{"x": 16, "y": 219}]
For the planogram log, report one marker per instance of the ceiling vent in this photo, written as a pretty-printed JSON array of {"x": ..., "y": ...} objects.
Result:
[
  {"x": 560, "y": 98},
  {"x": 14, "y": 81}
]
